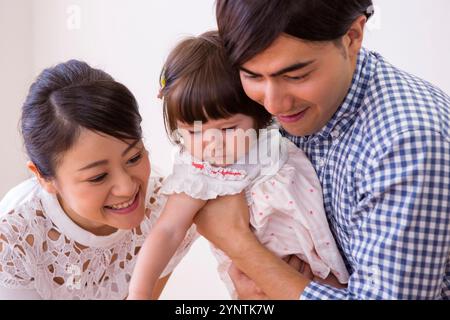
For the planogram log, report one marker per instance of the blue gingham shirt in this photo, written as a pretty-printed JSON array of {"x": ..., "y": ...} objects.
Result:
[{"x": 384, "y": 164}]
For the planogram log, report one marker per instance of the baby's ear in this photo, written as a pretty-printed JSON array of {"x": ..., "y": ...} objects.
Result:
[{"x": 47, "y": 184}]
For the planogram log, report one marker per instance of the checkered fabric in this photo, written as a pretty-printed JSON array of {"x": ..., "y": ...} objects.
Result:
[{"x": 384, "y": 164}]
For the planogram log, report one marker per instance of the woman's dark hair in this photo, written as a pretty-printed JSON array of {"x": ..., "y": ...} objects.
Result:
[
  {"x": 199, "y": 84},
  {"x": 68, "y": 97},
  {"x": 248, "y": 27}
]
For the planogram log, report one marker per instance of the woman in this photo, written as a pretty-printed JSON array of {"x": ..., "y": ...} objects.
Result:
[{"x": 73, "y": 232}]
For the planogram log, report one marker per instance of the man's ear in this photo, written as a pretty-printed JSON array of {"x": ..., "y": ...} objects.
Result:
[
  {"x": 354, "y": 37},
  {"x": 47, "y": 184}
]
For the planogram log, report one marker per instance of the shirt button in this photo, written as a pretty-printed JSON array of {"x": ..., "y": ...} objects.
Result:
[
  {"x": 335, "y": 134},
  {"x": 321, "y": 162}
]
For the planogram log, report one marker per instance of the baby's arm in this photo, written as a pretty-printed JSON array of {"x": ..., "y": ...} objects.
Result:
[{"x": 162, "y": 243}]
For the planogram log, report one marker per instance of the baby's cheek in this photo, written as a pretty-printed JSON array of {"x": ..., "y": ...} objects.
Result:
[
  {"x": 240, "y": 147},
  {"x": 195, "y": 148}
]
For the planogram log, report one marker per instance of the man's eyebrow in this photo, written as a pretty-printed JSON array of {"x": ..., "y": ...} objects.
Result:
[{"x": 294, "y": 67}]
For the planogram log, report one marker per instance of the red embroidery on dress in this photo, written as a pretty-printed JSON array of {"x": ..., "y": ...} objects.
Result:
[{"x": 221, "y": 171}]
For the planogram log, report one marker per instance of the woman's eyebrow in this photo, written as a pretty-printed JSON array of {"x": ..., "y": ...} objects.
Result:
[
  {"x": 103, "y": 162},
  {"x": 131, "y": 146},
  {"x": 94, "y": 164}
]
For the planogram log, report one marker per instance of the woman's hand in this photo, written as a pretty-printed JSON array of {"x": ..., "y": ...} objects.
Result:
[{"x": 225, "y": 220}]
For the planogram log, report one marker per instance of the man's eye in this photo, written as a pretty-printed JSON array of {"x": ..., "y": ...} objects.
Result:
[
  {"x": 297, "y": 77},
  {"x": 230, "y": 128},
  {"x": 135, "y": 159},
  {"x": 98, "y": 178},
  {"x": 251, "y": 76}
]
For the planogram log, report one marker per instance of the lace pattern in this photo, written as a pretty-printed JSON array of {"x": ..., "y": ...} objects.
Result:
[{"x": 36, "y": 254}]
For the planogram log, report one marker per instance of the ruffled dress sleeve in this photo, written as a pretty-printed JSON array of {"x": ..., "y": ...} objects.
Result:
[{"x": 200, "y": 180}]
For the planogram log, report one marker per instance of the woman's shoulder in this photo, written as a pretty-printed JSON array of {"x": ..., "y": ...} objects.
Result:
[
  {"x": 22, "y": 224},
  {"x": 23, "y": 193},
  {"x": 21, "y": 208}
]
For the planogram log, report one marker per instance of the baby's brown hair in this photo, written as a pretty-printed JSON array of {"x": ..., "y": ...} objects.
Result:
[{"x": 199, "y": 84}]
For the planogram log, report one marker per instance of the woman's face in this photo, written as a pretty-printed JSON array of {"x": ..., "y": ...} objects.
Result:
[
  {"x": 220, "y": 142},
  {"x": 101, "y": 182}
]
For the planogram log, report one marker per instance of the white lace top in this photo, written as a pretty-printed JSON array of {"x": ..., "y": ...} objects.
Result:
[{"x": 44, "y": 254}]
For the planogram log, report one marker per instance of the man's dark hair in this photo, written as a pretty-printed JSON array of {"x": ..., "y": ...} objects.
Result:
[{"x": 248, "y": 27}]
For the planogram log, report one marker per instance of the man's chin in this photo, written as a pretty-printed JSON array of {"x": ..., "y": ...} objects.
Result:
[{"x": 296, "y": 131}]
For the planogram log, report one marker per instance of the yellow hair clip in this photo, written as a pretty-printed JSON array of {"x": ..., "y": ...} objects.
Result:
[{"x": 162, "y": 83}]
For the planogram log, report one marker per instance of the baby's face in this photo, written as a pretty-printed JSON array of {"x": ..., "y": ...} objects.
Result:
[{"x": 219, "y": 142}]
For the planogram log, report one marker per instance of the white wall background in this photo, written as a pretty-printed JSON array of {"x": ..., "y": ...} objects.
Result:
[{"x": 130, "y": 40}]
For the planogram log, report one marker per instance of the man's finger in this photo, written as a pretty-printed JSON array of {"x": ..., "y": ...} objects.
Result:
[
  {"x": 296, "y": 263},
  {"x": 235, "y": 273}
]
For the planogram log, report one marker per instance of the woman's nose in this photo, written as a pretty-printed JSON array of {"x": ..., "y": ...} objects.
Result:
[{"x": 125, "y": 185}]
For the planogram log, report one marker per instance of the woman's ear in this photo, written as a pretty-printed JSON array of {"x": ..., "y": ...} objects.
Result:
[{"x": 47, "y": 184}]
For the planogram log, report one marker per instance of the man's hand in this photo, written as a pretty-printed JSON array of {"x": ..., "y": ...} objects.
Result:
[
  {"x": 224, "y": 220},
  {"x": 306, "y": 271},
  {"x": 247, "y": 289}
]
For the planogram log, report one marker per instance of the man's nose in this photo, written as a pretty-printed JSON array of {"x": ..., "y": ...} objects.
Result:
[{"x": 276, "y": 100}]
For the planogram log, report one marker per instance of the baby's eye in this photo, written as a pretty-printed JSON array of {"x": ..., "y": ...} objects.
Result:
[
  {"x": 98, "y": 178},
  {"x": 230, "y": 128}
]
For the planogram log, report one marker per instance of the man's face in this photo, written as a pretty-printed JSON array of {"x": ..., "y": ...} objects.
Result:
[{"x": 301, "y": 83}]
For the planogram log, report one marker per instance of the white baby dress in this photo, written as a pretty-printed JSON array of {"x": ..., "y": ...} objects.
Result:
[{"x": 284, "y": 197}]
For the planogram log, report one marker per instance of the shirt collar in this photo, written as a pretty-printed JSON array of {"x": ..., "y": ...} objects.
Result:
[{"x": 347, "y": 111}]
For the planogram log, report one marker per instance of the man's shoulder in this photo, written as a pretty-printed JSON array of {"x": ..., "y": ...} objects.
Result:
[{"x": 397, "y": 101}]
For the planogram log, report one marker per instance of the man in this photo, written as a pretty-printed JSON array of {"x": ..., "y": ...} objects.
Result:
[{"x": 378, "y": 138}]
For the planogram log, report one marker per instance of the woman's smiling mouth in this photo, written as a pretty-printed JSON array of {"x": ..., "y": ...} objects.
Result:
[{"x": 125, "y": 207}]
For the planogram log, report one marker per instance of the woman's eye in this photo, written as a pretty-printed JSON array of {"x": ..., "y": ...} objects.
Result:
[
  {"x": 135, "y": 159},
  {"x": 98, "y": 178}
]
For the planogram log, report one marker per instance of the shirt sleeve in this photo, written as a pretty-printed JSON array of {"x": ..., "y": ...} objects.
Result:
[{"x": 401, "y": 250}]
